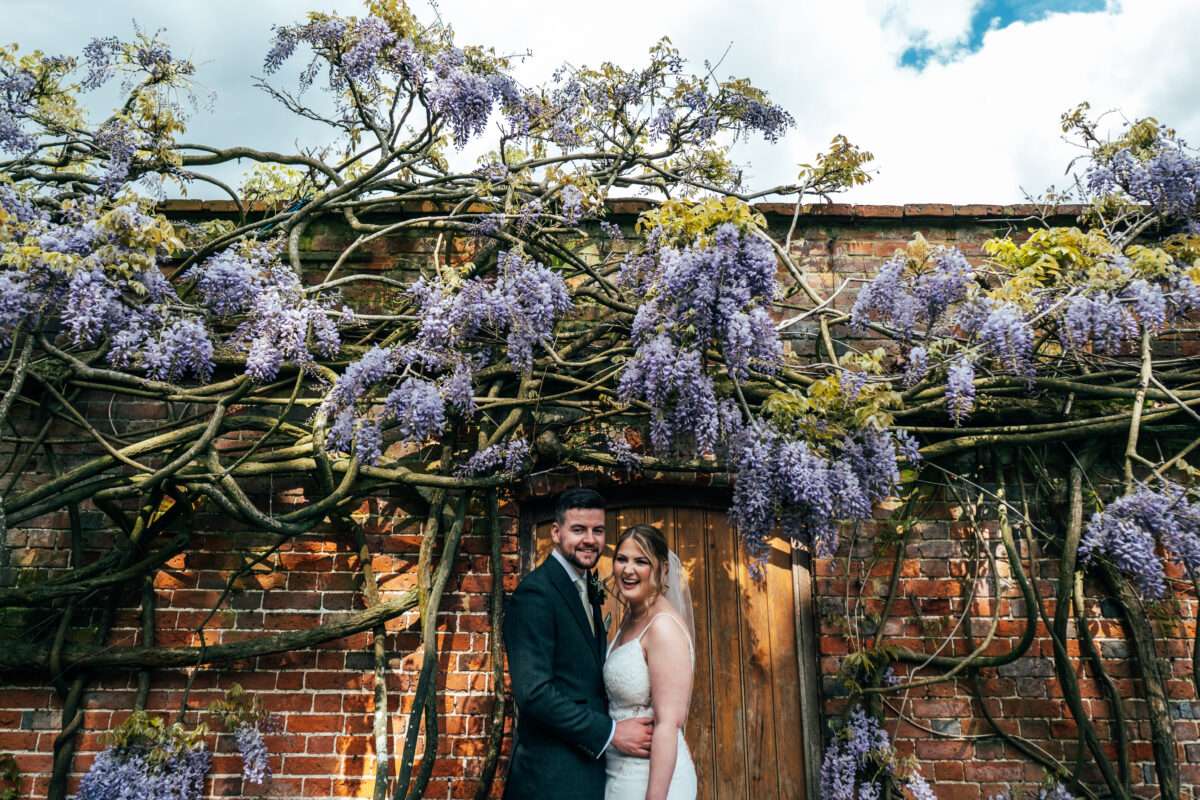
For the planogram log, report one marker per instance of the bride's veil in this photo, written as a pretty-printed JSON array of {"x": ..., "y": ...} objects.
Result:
[{"x": 679, "y": 595}]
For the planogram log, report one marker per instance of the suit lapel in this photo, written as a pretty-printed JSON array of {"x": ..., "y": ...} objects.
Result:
[{"x": 562, "y": 582}]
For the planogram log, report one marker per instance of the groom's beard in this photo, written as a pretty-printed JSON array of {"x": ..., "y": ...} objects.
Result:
[{"x": 579, "y": 565}]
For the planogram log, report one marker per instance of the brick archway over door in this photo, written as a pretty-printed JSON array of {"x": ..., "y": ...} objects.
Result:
[{"x": 745, "y": 724}]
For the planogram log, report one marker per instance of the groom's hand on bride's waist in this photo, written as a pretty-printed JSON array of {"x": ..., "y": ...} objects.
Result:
[{"x": 632, "y": 736}]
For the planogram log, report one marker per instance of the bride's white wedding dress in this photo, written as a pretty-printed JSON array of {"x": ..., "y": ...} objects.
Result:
[{"x": 627, "y": 681}]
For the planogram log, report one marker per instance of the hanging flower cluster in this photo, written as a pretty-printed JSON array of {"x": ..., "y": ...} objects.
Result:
[
  {"x": 1130, "y": 530},
  {"x": 859, "y": 756},
  {"x": 808, "y": 490},
  {"x": 242, "y": 714},
  {"x": 703, "y": 285},
  {"x": 149, "y": 760},
  {"x": 95, "y": 267},
  {"x": 279, "y": 318},
  {"x": 458, "y": 329},
  {"x": 519, "y": 308}
]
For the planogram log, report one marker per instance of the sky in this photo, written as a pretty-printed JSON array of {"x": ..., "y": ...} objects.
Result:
[{"x": 959, "y": 100}]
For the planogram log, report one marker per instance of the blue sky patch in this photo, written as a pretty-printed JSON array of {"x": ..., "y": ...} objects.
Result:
[{"x": 994, "y": 15}]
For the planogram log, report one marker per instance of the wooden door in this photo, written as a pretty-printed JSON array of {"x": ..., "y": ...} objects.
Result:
[{"x": 744, "y": 727}]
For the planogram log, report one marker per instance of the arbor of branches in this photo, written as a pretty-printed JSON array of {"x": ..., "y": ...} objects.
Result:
[{"x": 563, "y": 341}]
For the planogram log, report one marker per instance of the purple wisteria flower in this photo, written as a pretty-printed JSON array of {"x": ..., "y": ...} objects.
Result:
[
  {"x": 1149, "y": 303},
  {"x": 19, "y": 301},
  {"x": 256, "y": 767},
  {"x": 130, "y": 774},
  {"x": 808, "y": 491},
  {"x": 908, "y": 446},
  {"x": 707, "y": 294},
  {"x": 521, "y": 307},
  {"x": 1167, "y": 179},
  {"x": 378, "y": 363},
  {"x": 1129, "y": 531},
  {"x": 681, "y": 396},
  {"x": 769, "y": 119},
  {"x": 118, "y": 141},
  {"x": 960, "y": 390},
  {"x": 858, "y": 756},
  {"x": 917, "y": 367},
  {"x": 418, "y": 409},
  {"x": 92, "y": 306},
  {"x": 506, "y": 458},
  {"x": 622, "y": 451},
  {"x": 181, "y": 349},
  {"x": 464, "y": 99},
  {"x": 859, "y": 743},
  {"x": 228, "y": 280},
  {"x": 1099, "y": 320},
  {"x": 17, "y": 98},
  {"x": 887, "y": 299},
  {"x": 1008, "y": 337},
  {"x": 279, "y": 315},
  {"x": 904, "y": 299},
  {"x": 572, "y": 203}
]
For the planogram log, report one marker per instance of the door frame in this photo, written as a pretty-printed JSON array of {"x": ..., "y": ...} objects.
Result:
[{"x": 536, "y": 508}]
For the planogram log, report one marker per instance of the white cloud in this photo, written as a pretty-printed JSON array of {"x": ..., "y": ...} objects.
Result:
[
  {"x": 933, "y": 23},
  {"x": 976, "y": 129}
]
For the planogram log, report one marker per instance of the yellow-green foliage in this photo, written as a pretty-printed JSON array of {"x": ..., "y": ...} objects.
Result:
[
  {"x": 1066, "y": 257},
  {"x": 826, "y": 413},
  {"x": 160, "y": 740},
  {"x": 1150, "y": 262},
  {"x": 237, "y": 708},
  {"x": 685, "y": 223},
  {"x": 57, "y": 108},
  {"x": 275, "y": 185},
  {"x": 139, "y": 237},
  {"x": 709, "y": 165},
  {"x": 1184, "y": 248},
  {"x": 842, "y": 166},
  {"x": 1049, "y": 257}
]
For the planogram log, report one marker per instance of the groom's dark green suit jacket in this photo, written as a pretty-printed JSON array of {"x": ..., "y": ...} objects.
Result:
[{"x": 557, "y": 681}]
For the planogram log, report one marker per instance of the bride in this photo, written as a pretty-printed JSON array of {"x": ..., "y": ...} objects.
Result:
[{"x": 648, "y": 671}]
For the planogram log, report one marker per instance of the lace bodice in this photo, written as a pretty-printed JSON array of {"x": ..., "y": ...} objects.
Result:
[{"x": 627, "y": 676}]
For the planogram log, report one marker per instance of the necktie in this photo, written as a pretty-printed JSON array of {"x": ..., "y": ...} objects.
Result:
[{"x": 581, "y": 585}]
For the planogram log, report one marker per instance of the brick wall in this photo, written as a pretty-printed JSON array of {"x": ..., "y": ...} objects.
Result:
[{"x": 323, "y": 697}]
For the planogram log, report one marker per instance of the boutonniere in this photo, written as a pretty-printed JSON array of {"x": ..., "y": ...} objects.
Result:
[{"x": 595, "y": 590}]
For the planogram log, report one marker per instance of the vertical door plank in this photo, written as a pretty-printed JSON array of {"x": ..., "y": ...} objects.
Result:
[
  {"x": 729, "y": 716},
  {"x": 691, "y": 546},
  {"x": 785, "y": 677},
  {"x": 761, "y": 766}
]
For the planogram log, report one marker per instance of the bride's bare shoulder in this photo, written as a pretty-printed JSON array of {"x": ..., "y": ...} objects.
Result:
[{"x": 666, "y": 628}]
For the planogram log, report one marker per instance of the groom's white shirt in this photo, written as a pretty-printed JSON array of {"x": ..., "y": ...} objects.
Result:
[{"x": 576, "y": 577}]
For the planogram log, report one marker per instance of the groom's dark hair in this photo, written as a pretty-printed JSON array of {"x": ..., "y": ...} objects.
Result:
[{"x": 576, "y": 498}]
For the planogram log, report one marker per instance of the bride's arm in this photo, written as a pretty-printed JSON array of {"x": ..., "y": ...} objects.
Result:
[{"x": 670, "y": 662}]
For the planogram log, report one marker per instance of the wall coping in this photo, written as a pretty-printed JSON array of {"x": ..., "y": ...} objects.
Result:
[{"x": 844, "y": 211}]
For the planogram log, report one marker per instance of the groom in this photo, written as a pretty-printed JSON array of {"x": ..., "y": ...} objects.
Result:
[{"x": 555, "y": 642}]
